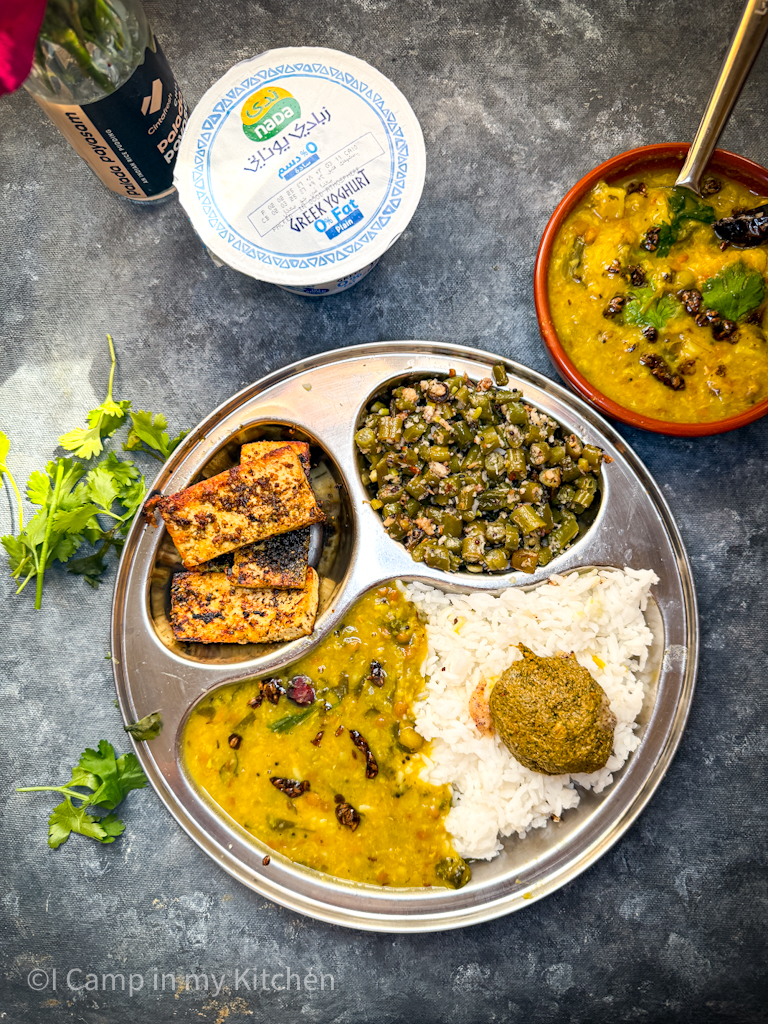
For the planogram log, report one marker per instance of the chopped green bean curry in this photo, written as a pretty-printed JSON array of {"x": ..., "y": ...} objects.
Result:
[
  {"x": 469, "y": 476},
  {"x": 655, "y": 306},
  {"x": 322, "y": 761}
]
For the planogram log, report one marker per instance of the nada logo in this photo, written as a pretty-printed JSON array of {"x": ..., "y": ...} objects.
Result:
[
  {"x": 152, "y": 102},
  {"x": 267, "y": 112}
]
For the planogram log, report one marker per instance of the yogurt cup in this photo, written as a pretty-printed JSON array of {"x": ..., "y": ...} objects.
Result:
[{"x": 301, "y": 167}]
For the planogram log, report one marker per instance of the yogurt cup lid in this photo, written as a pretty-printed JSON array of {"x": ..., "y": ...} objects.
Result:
[{"x": 300, "y": 165}]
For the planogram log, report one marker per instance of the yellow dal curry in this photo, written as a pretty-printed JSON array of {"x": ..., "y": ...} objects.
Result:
[
  {"x": 620, "y": 268},
  {"x": 383, "y": 827}
]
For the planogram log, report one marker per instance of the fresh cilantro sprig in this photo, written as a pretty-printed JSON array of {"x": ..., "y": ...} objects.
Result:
[
  {"x": 735, "y": 291},
  {"x": 103, "y": 421},
  {"x": 682, "y": 205},
  {"x": 69, "y": 511},
  {"x": 99, "y": 782},
  {"x": 76, "y": 505},
  {"x": 148, "y": 431},
  {"x": 56, "y": 531}
]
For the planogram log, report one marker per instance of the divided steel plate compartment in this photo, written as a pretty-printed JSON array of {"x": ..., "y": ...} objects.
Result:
[{"x": 322, "y": 400}]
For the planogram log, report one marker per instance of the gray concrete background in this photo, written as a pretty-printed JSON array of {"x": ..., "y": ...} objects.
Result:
[{"x": 517, "y": 100}]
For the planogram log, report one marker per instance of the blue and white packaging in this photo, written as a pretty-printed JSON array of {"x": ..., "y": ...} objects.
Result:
[{"x": 301, "y": 167}]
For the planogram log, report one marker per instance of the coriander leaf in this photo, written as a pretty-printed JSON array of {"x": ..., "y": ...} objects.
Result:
[
  {"x": 75, "y": 517},
  {"x": 74, "y": 520},
  {"x": 71, "y": 503},
  {"x": 40, "y": 485},
  {"x": 123, "y": 471},
  {"x": 66, "y": 818},
  {"x": 147, "y": 728},
  {"x": 102, "y": 486},
  {"x": 643, "y": 296},
  {"x": 735, "y": 291},
  {"x": 667, "y": 308},
  {"x": 81, "y": 777},
  {"x": 39, "y": 489},
  {"x": 132, "y": 498},
  {"x": 91, "y": 568},
  {"x": 684, "y": 205},
  {"x": 18, "y": 552},
  {"x": 63, "y": 549},
  {"x": 78, "y": 496},
  {"x": 113, "y": 827},
  {"x": 151, "y": 431},
  {"x": 35, "y": 529},
  {"x": 112, "y": 480},
  {"x": 109, "y": 416},
  {"x": 102, "y": 762},
  {"x": 129, "y": 772},
  {"x": 667, "y": 236},
  {"x": 118, "y": 776},
  {"x": 103, "y": 421},
  {"x": 84, "y": 443},
  {"x": 94, "y": 534},
  {"x": 644, "y": 310}
]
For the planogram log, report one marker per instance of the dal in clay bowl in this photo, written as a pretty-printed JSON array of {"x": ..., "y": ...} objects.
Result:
[{"x": 646, "y": 291}]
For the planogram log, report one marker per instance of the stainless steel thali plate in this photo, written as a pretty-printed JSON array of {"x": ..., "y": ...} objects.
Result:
[{"x": 322, "y": 399}]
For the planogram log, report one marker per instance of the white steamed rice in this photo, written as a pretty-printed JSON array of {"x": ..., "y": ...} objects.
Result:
[{"x": 472, "y": 637}]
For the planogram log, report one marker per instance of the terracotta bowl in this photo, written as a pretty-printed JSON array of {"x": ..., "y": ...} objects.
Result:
[{"x": 635, "y": 162}]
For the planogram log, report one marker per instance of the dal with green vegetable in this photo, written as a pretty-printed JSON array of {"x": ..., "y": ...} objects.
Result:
[{"x": 655, "y": 306}]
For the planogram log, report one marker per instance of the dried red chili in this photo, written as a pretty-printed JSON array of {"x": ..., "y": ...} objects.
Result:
[
  {"x": 347, "y": 816},
  {"x": 291, "y": 787},
  {"x": 371, "y": 767}
]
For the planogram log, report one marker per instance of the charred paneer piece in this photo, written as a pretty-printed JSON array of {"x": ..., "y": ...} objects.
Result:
[
  {"x": 279, "y": 562},
  {"x": 258, "y": 499},
  {"x": 207, "y": 608},
  {"x": 258, "y": 449}
]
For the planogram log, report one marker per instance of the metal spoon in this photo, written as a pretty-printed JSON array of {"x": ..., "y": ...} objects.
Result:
[{"x": 736, "y": 66}]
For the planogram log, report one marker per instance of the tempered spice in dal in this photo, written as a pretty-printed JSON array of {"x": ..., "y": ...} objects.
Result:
[{"x": 363, "y": 817}]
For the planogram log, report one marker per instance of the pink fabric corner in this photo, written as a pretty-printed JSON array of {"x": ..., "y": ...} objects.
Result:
[{"x": 20, "y": 22}]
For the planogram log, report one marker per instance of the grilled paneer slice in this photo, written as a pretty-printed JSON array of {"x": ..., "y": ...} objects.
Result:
[
  {"x": 279, "y": 562},
  {"x": 207, "y": 608},
  {"x": 257, "y": 499},
  {"x": 258, "y": 449}
]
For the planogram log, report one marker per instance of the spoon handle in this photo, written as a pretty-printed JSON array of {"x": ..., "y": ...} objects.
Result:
[{"x": 736, "y": 66}]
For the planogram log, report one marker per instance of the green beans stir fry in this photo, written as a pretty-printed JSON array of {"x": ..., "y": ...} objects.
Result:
[{"x": 468, "y": 476}]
